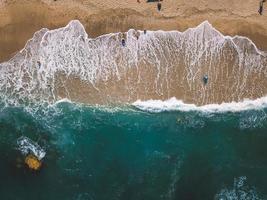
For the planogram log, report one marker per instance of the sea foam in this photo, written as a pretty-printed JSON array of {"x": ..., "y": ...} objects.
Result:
[
  {"x": 66, "y": 63},
  {"x": 27, "y": 146},
  {"x": 178, "y": 105}
]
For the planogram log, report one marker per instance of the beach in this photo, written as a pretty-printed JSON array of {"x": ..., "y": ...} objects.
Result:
[
  {"x": 20, "y": 19},
  {"x": 76, "y": 51}
]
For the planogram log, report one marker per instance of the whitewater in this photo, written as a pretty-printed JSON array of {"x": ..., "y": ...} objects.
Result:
[{"x": 159, "y": 65}]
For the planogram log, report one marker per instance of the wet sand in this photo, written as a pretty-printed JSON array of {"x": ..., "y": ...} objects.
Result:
[
  {"x": 65, "y": 63},
  {"x": 19, "y": 19}
]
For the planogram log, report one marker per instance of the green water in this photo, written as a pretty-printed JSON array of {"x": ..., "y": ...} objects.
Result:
[{"x": 95, "y": 153}]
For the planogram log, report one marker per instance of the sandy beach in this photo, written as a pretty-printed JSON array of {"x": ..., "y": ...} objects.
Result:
[{"x": 19, "y": 19}]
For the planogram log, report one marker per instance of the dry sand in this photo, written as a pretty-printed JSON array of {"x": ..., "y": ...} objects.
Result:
[{"x": 19, "y": 19}]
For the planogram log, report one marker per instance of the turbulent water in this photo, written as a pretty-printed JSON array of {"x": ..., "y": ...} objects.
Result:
[
  {"x": 150, "y": 126},
  {"x": 65, "y": 63},
  {"x": 124, "y": 153}
]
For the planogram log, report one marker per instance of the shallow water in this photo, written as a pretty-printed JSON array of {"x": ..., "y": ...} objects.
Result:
[
  {"x": 123, "y": 153},
  {"x": 66, "y": 63}
]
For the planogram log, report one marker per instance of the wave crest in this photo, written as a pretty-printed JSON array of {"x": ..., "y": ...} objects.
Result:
[{"x": 178, "y": 105}]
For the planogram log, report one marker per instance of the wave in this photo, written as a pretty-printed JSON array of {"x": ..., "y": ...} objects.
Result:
[
  {"x": 27, "y": 146},
  {"x": 66, "y": 63},
  {"x": 178, "y": 105},
  {"x": 240, "y": 191}
]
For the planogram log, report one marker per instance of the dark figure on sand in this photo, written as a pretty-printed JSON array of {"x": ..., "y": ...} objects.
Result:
[
  {"x": 261, "y": 6},
  {"x": 205, "y": 79},
  {"x": 159, "y": 6}
]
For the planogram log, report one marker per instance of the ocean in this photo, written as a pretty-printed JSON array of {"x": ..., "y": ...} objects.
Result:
[{"x": 100, "y": 152}]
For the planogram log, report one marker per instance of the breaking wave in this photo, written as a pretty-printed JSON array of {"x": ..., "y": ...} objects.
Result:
[
  {"x": 66, "y": 63},
  {"x": 177, "y": 105},
  {"x": 240, "y": 191},
  {"x": 27, "y": 146}
]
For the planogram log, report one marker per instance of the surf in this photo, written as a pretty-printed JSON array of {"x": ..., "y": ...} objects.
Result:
[{"x": 66, "y": 63}]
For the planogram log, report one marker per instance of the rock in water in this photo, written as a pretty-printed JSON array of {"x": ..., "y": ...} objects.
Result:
[{"x": 32, "y": 162}]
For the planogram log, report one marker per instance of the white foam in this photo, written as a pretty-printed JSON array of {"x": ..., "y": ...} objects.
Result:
[
  {"x": 31, "y": 75},
  {"x": 26, "y": 146},
  {"x": 239, "y": 191},
  {"x": 178, "y": 105},
  {"x": 64, "y": 100}
]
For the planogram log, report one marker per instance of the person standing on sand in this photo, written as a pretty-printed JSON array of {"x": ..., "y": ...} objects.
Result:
[
  {"x": 159, "y": 6},
  {"x": 261, "y": 6}
]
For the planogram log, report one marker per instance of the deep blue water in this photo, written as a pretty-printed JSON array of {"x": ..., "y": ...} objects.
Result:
[{"x": 106, "y": 154}]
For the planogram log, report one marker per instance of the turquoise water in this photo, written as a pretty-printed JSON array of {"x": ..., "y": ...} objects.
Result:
[{"x": 106, "y": 154}]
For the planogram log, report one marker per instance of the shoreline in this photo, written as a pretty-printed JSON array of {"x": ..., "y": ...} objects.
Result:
[
  {"x": 161, "y": 106},
  {"x": 246, "y": 66},
  {"x": 173, "y": 104},
  {"x": 20, "y": 18}
]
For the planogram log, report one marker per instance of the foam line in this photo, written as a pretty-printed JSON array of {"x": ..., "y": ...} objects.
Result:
[
  {"x": 173, "y": 104},
  {"x": 155, "y": 63}
]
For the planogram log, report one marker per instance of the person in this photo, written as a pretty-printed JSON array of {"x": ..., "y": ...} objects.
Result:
[
  {"x": 145, "y": 31},
  {"x": 123, "y": 42},
  {"x": 159, "y": 6},
  {"x": 205, "y": 79},
  {"x": 39, "y": 63},
  {"x": 261, "y": 7}
]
